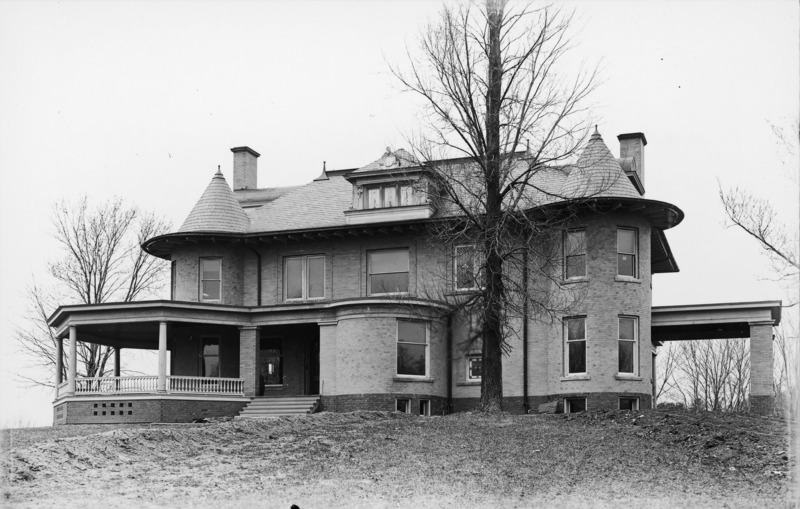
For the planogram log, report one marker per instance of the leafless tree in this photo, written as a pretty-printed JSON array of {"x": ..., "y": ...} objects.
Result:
[
  {"x": 100, "y": 261},
  {"x": 666, "y": 372},
  {"x": 494, "y": 96},
  {"x": 712, "y": 375}
]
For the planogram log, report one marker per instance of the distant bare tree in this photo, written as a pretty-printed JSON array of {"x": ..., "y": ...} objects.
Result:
[
  {"x": 713, "y": 375},
  {"x": 101, "y": 261},
  {"x": 666, "y": 371},
  {"x": 489, "y": 77}
]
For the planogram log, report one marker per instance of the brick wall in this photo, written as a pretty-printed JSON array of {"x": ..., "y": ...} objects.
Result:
[
  {"x": 761, "y": 366},
  {"x": 187, "y": 271},
  {"x": 382, "y": 402}
]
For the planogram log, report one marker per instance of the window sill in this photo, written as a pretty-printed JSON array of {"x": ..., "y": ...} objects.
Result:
[
  {"x": 570, "y": 378},
  {"x": 627, "y": 279},
  {"x": 472, "y": 383},
  {"x": 628, "y": 377},
  {"x": 575, "y": 280},
  {"x": 390, "y": 294},
  {"x": 400, "y": 378}
]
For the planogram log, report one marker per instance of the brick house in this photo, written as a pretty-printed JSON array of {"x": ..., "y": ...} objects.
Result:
[{"x": 318, "y": 297}]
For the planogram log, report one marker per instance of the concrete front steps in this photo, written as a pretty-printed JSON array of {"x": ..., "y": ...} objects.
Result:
[{"x": 262, "y": 408}]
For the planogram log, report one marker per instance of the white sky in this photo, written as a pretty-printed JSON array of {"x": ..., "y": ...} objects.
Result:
[{"x": 144, "y": 99}]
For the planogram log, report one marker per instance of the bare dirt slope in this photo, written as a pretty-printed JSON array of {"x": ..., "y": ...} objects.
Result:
[{"x": 377, "y": 459}]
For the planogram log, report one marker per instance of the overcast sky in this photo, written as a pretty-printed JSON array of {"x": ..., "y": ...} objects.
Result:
[{"x": 144, "y": 99}]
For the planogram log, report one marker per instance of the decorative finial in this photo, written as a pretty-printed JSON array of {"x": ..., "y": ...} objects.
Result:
[
  {"x": 323, "y": 165},
  {"x": 324, "y": 174},
  {"x": 219, "y": 171},
  {"x": 595, "y": 130}
]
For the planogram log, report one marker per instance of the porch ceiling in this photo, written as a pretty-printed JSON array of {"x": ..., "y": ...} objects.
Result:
[{"x": 711, "y": 321}]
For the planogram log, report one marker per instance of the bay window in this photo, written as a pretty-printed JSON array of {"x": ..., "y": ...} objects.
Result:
[
  {"x": 412, "y": 348},
  {"x": 210, "y": 279},
  {"x": 387, "y": 271}
]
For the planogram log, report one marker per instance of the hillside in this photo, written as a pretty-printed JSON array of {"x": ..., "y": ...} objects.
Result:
[{"x": 377, "y": 459}]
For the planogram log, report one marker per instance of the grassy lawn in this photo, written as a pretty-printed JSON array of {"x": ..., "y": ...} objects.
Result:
[{"x": 375, "y": 459}]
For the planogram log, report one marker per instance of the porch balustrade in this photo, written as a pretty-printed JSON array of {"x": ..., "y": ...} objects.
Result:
[{"x": 149, "y": 385}]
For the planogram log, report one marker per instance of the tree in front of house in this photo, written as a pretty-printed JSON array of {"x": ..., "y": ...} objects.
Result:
[
  {"x": 100, "y": 260},
  {"x": 490, "y": 78}
]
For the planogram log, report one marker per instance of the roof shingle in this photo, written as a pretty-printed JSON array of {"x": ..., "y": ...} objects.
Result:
[{"x": 217, "y": 210}]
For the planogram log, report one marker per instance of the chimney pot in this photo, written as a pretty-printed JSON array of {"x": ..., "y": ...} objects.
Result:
[{"x": 245, "y": 168}]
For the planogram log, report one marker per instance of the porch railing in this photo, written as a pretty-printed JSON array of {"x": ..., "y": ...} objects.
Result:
[
  {"x": 202, "y": 385},
  {"x": 149, "y": 384}
]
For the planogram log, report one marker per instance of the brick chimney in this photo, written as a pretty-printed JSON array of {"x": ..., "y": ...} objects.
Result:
[
  {"x": 632, "y": 145},
  {"x": 245, "y": 168}
]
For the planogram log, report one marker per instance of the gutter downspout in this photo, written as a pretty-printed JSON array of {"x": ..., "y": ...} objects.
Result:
[
  {"x": 525, "y": 404},
  {"x": 450, "y": 363},
  {"x": 258, "y": 270}
]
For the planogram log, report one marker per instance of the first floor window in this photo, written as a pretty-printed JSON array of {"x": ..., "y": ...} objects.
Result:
[
  {"x": 210, "y": 355},
  {"x": 575, "y": 345},
  {"x": 474, "y": 368},
  {"x": 304, "y": 277},
  {"x": 467, "y": 267},
  {"x": 387, "y": 271},
  {"x": 425, "y": 407},
  {"x": 404, "y": 405},
  {"x": 575, "y": 254},
  {"x": 628, "y": 344},
  {"x": 574, "y": 405},
  {"x": 631, "y": 404},
  {"x": 412, "y": 348},
  {"x": 210, "y": 279},
  {"x": 627, "y": 251}
]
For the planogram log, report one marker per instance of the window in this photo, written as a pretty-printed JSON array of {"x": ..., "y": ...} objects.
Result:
[
  {"x": 627, "y": 251},
  {"x": 210, "y": 357},
  {"x": 271, "y": 359},
  {"x": 467, "y": 268},
  {"x": 575, "y": 254},
  {"x": 631, "y": 404},
  {"x": 425, "y": 407},
  {"x": 575, "y": 345},
  {"x": 404, "y": 405},
  {"x": 210, "y": 279},
  {"x": 474, "y": 368},
  {"x": 389, "y": 195},
  {"x": 412, "y": 348},
  {"x": 628, "y": 345},
  {"x": 574, "y": 405},
  {"x": 304, "y": 277},
  {"x": 387, "y": 271}
]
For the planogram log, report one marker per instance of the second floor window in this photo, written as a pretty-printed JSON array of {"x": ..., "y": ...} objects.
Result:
[
  {"x": 304, "y": 277},
  {"x": 467, "y": 268},
  {"x": 627, "y": 252},
  {"x": 575, "y": 254},
  {"x": 387, "y": 271},
  {"x": 210, "y": 279},
  {"x": 389, "y": 195}
]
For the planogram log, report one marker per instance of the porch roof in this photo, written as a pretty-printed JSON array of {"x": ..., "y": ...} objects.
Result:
[
  {"x": 711, "y": 321},
  {"x": 135, "y": 324}
]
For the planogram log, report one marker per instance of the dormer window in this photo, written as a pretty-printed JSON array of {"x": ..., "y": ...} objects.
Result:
[{"x": 388, "y": 195}]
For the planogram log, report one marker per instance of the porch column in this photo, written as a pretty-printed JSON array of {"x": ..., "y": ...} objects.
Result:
[
  {"x": 248, "y": 359},
  {"x": 59, "y": 364},
  {"x": 162, "y": 357},
  {"x": 116, "y": 361},
  {"x": 761, "y": 394},
  {"x": 73, "y": 360}
]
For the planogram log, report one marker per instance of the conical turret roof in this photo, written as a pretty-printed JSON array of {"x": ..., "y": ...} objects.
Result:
[
  {"x": 217, "y": 210},
  {"x": 597, "y": 174}
]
